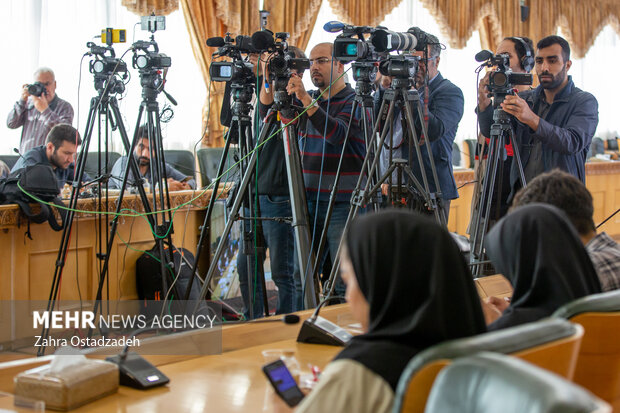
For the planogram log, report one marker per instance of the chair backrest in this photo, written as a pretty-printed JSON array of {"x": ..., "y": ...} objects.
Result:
[
  {"x": 9, "y": 160},
  {"x": 493, "y": 285},
  {"x": 92, "y": 163},
  {"x": 182, "y": 161},
  {"x": 598, "y": 363},
  {"x": 470, "y": 149},
  {"x": 547, "y": 343},
  {"x": 491, "y": 382},
  {"x": 208, "y": 162}
]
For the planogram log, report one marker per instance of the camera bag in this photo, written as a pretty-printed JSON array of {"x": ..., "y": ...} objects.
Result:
[{"x": 39, "y": 181}]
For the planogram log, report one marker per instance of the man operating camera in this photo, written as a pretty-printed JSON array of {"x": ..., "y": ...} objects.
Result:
[{"x": 38, "y": 110}]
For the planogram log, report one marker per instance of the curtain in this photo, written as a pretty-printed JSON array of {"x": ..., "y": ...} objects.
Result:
[
  {"x": 294, "y": 17},
  {"x": 362, "y": 12},
  {"x": 580, "y": 20},
  {"x": 146, "y": 7},
  {"x": 210, "y": 18}
]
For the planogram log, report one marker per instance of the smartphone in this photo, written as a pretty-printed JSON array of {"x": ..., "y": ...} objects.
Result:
[{"x": 283, "y": 382}]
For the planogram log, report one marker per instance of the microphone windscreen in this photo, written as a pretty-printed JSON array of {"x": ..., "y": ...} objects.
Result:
[
  {"x": 262, "y": 40},
  {"x": 333, "y": 26},
  {"x": 291, "y": 319},
  {"x": 483, "y": 56},
  {"x": 215, "y": 42}
]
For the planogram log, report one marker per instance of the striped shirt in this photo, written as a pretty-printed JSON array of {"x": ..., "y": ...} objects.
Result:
[
  {"x": 320, "y": 156},
  {"x": 36, "y": 125}
]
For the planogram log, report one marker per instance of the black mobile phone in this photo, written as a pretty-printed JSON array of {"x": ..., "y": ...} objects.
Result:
[{"x": 283, "y": 382}]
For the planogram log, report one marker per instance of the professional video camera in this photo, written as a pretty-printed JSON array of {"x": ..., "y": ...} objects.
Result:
[
  {"x": 106, "y": 66},
  {"x": 280, "y": 65},
  {"x": 399, "y": 66},
  {"x": 150, "y": 63},
  {"x": 502, "y": 80},
  {"x": 236, "y": 70}
]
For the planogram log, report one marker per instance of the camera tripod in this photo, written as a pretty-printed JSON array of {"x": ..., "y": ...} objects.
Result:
[
  {"x": 501, "y": 134},
  {"x": 399, "y": 93},
  {"x": 104, "y": 108},
  {"x": 299, "y": 219}
]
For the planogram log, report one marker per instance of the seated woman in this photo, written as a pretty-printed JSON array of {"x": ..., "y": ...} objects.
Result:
[
  {"x": 538, "y": 250},
  {"x": 409, "y": 286}
]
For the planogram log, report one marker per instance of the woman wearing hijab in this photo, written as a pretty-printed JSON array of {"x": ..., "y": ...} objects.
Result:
[
  {"x": 540, "y": 253},
  {"x": 409, "y": 286}
]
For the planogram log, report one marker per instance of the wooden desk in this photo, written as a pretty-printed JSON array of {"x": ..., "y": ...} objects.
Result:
[
  {"x": 230, "y": 382},
  {"x": 602, "y": 180},
  {"x": 28, "y": 265}
]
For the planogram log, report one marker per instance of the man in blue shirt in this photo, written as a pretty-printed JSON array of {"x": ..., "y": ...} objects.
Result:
[
  {"x": 58, "y": 152},
  {"x": 176, "y": 180},
  {"x": 553, "y": 123}
]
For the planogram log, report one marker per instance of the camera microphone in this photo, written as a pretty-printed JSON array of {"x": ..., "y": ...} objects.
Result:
[
  {"x": 333, "y": 26},
  {"x": 483, "y": 56},
  {"x": 263, "y": 40},
  {"x": 215, "y": 42}
]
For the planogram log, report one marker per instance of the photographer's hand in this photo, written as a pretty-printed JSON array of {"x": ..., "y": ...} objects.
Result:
[
  {"x": 40, "y": 103},
  {"x": 296, "y": 86},
  {"x": 25, "y": 93},
  {"x": 483, "y": 93},
  {"x": 519, "y": 108}
]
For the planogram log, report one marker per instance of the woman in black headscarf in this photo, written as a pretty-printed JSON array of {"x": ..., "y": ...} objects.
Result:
[
  {"x": 408, "y": 284},
  {"x": 540, "y": 253}
]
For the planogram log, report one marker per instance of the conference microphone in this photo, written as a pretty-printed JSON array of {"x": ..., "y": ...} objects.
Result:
[
  {"x": 19, "y": 153},
  {"x": 319, "y": 330},
  {"x": 483, "y": 56},
  {"x": 263, "y": 40},
  {"x": 287, "y": 319},
  {"x": 333, "y": 26},
  {"x": 215, "y": 42}
]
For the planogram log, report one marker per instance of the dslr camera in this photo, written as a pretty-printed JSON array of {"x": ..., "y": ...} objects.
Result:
[{"x": 37, "y": 89}]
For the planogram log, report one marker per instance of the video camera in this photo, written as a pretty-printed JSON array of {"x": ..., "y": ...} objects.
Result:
[
  {"x": 502, "y": 80},
  {"x": 104, "y": 66},
  {"x": 237, "y": 70},
  {"x": 150, "y": 63}
]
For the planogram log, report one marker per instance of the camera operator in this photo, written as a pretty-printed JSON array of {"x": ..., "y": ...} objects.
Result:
[
  {"x": 519, "y": 50},
  {"x": 38, "y": 110},
  {"x": 274, "y": 201},
  {"x": 553, "y": 123},
  {"x": 319, "y": 119},
  {"x": 445, "y": 110}
]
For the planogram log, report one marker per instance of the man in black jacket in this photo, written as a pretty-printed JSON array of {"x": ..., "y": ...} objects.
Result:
[{"x": 553, "y": 123}]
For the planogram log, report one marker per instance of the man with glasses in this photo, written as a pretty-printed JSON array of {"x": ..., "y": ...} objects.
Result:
[
  {"x": 322, "y": 129},
  {"x": 445, "y": 109},
  {"x": 39, "y": 114}
]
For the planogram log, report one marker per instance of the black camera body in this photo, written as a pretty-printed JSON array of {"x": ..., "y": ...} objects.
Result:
[
  {"x": 105, "y": 66},
  {"x": 37, "y": 89},
  {"x": 503, "y": 80},
  {"x": 347, "y": 48},
  {"x": 399, "y": 66},
  {"x": 149, "y": 60}
]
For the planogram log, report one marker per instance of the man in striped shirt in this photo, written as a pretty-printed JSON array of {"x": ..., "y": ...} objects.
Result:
[{"x": 322, "y": 130}]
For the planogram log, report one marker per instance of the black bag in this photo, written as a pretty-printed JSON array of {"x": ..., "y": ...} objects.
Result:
[
  {"x": 148, "y": 275},
  {"x": 40, "y": 181}
]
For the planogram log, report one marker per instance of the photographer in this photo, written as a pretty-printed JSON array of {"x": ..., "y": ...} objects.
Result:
[
  {"x": 445, "y": 110},
  {"x": 553, "y": 123},
  {"x": 274, "y": 202},
  {"x": 39, "y": 112},
  {"x": 520, "y": 51},
  {"x": 322, "y": 129}
]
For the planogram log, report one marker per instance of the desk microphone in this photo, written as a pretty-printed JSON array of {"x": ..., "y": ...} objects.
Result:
[
  {"x": 287, "y": 319},
  {"x": 318, "y": 330},
  {"x": 19, "y": 153}
]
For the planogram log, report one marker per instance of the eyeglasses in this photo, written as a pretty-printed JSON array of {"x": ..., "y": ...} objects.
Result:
[{"x": 320, "y": 61}]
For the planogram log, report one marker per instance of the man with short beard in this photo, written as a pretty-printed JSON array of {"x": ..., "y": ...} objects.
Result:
[
  {"x": 58, "y": 152},
  {"x": 553, "y": 123},
  {"x": 177, "y": 181}
]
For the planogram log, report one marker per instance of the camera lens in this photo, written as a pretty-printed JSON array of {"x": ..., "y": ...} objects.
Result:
[{"x": 141, "y": 61}]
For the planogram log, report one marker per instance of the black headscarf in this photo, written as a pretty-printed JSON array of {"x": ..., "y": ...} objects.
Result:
[
  {"x": 540, "y": 253},
  {"x": 418, "y": 286}
]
